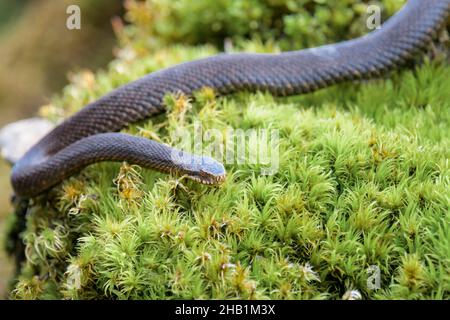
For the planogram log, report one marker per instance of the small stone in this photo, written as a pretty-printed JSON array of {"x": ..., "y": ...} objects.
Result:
[
  {"x": 18, "y": 137},
  {"x": 352, "y": 295}
]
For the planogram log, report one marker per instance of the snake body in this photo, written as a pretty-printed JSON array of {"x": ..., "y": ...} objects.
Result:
[{"x": 91, "y": 135}]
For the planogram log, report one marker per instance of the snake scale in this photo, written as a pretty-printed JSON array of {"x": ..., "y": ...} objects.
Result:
[{"x": 91, "y": 135}]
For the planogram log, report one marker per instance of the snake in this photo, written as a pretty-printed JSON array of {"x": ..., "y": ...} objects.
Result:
[{"x": 93, "y": 134}]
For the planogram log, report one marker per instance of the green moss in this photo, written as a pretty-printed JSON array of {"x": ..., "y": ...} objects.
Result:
[
  {"x": 363, "y": 181},
  {"x": 294, "y": 24}
]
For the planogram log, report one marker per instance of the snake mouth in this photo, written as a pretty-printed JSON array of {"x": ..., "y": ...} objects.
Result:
[{"x": 208, "y": 180}]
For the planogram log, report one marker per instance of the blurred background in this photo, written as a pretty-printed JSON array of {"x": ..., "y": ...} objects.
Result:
[{"x": 36, "y": 52}]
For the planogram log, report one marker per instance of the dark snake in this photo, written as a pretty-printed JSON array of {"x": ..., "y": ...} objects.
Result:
[{"x": 91, "y": 136}]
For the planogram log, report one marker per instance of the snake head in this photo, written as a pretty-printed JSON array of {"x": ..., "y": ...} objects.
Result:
[
  {"x": 202, "y": 169},
  {"x": 208, "y": 171}
]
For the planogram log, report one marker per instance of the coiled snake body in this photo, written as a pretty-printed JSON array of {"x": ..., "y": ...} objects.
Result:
[{"x": 91, "y": 134}]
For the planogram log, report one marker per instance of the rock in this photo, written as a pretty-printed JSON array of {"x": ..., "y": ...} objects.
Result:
[{"x": 18, "y": 137}]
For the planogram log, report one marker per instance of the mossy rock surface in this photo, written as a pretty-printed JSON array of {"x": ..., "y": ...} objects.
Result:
[{"x": 362, "y": 181}]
